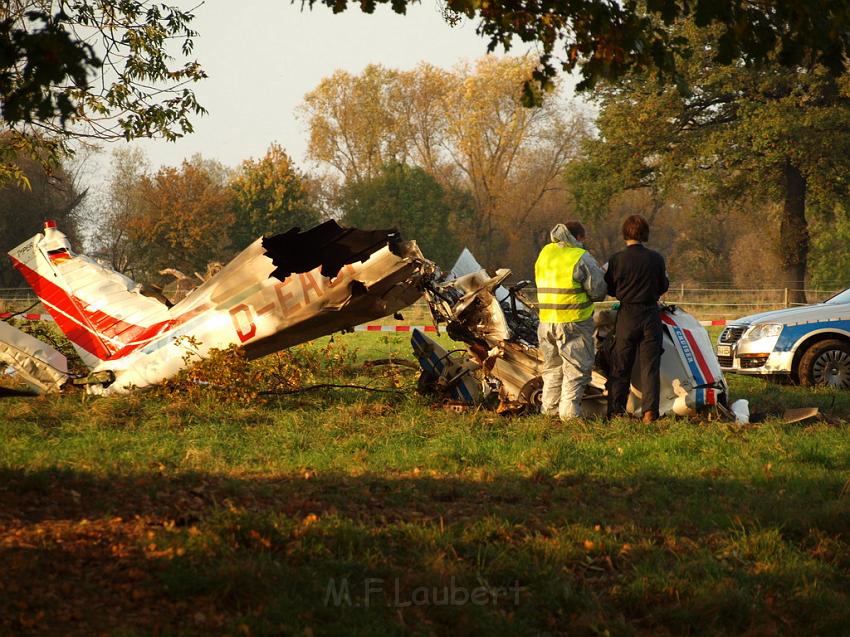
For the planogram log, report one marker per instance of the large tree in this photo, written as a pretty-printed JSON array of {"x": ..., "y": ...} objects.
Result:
[
  {"x": 508, "y": 156},
  {"x": 92, "y": 70},
  {"x": 185, "y": 221},
  {"x": 352, "y": 127},
  {"x": 269, "y": 196},
  {"x": 23, "y": 210},
  {"x": 466, "y": 127},
  {"x": 410, "y": 199},
  {"x": 607, "y": 39},
  {"x": 741, "y": 136},
  {"x": 118, "y": 209}
]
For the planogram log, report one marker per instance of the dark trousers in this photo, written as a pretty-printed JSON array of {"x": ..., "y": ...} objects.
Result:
[{"x": 638, "y": 332}]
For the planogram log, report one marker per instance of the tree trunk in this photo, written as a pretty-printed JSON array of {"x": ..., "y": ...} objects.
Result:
[{"x": 794, "y": 233}]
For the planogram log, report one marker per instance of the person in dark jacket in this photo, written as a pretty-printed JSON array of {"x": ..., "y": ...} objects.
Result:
[{"x": 637, "y": 277}]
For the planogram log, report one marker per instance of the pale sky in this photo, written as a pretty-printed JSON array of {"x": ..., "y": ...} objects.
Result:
[{"x": 263, "y": 56}]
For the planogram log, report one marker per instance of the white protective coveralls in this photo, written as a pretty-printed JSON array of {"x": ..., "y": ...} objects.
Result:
[{"x": 568, "y": 349}]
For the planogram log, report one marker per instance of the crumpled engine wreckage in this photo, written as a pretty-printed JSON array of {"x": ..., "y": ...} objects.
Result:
[
  {"x": 502, "y": 359},
  {"x": 296, "y": 286}
]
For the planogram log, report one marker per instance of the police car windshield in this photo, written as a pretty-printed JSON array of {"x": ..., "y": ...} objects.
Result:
[{"x": 841, "y": 297}]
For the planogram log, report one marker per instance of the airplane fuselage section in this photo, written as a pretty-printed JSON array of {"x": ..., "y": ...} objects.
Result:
[
  {"x": 266, "y": 316},
  {"x": 276, "y": 293}
]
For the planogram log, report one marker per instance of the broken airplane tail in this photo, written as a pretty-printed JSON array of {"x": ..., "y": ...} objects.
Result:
[{"x": 99, "y": 310}]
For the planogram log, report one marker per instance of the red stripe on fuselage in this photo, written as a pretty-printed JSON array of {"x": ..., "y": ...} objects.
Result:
[
  {"x": 706, "y": 370},
  {"x": 700, "y": 359},
  {"x": 84, "y": 327},
  {"x": 79, "y": 335},
  {"x": 150, "y": 333},
  {"x": 67, "y": 314},
  {"x": 100, "y": 322}
]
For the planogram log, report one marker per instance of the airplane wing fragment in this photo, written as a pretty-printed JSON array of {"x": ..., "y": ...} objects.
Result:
[{"x": 37, "y": 364}]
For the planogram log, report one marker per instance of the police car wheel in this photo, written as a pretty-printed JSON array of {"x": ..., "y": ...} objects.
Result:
[{"x": 826, "y": 363}]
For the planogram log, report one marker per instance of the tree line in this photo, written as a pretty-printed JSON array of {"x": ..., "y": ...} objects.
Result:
[
  {"x": 761, "y": 151},
  {"x": 450, "y": 158},
  {"x": 743, "y": 175}
]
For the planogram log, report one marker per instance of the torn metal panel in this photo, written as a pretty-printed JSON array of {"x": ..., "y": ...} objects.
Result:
[
  {"x": 328, "y": 246},
  {"x": 467, "y": 264},
  {"x": 278, "y": 292},
  {"x": 502, "y": 338},
  {"x": 479, "y": 308},
  {"x": 37, "y": 364},
  {"x": 386, "y": 282},
  {"x": 444, "y": 373},
  {"x": 514, "y": 365}
]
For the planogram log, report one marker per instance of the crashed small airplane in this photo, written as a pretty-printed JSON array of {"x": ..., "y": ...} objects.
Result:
[
  {"x": 499, "y": 327},
  {"x": 296, "y": 286},
  {"x": 280, "y": 291}
]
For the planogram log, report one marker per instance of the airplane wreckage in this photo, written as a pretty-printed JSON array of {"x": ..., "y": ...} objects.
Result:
[{"x": 294, "y": 287}]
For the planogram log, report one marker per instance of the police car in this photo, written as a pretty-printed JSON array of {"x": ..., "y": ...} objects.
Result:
[{"x": 809, "y": 344}]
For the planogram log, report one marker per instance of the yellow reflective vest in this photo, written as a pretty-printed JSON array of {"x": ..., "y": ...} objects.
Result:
[{"x": 560, "y": 298}]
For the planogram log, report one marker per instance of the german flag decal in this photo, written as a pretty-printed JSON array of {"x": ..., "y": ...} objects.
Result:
[{"x": 59, "y": 255}]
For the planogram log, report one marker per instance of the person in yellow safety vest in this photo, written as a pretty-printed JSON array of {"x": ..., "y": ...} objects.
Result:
[{"x": 568, "y": 281}]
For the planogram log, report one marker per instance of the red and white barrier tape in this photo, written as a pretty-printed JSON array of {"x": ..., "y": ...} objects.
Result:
[
  {"x": 395, "y": 328},
  {"x": 359, "y": 328},
  {"x": 431, "y": 328}
]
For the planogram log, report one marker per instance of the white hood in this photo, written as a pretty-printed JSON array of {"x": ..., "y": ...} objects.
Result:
[{"x": 797, "y": 315}]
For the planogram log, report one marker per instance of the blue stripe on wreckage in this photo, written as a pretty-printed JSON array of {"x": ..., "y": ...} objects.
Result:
[
  {"x": 459, "y": 391},
  {"x": 429, "y": 362},
  {"x": 689, "y": 355},
  {"x": 169, "y": 337},
  {"x": 462, "y": 393},
  {"x": 435, "y": 365}
]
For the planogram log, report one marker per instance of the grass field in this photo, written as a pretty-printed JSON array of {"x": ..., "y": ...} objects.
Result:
[{"x": 347, "y": 512}]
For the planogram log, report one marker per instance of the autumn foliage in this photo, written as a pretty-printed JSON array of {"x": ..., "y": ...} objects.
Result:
[
  {"x": 186, "y": 216},
  {"x": 469, "y": 130},
  {"x": 200, "y": 212}
]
